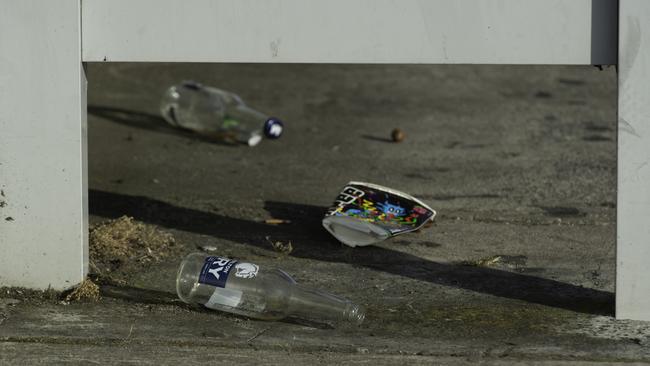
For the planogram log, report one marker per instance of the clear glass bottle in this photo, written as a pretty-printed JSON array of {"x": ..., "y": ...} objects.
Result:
[
  {"x": 264, "y": 293},
  {"x": 217, "y": 114}
]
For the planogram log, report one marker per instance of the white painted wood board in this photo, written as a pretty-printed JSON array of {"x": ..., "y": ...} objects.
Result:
[
  {"x": 633, "y": 209},
  {"x": 43, "y": 218},
  {"x": 351, "y": 31}
]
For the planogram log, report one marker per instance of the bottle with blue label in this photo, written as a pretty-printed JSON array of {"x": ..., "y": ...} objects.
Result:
[
  {"x": 246, "y": 289},
  {"x": 217, "y": 114}
]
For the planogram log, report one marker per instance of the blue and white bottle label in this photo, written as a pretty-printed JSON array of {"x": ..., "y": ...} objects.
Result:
[
  {"x": 246, "y": 270},
  {"x": 215, "y": 271}
]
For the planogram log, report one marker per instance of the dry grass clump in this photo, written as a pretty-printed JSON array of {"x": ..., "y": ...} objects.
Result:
[
  {"x": 86, "y": 291},
  {"x": 124, "y": 241}
]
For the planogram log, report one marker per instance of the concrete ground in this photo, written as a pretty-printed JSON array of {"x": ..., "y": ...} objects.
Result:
[{"x": 519, "y": 162}]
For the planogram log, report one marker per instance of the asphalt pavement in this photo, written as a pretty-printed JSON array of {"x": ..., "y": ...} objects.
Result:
[{"x": 518, "y": 268}]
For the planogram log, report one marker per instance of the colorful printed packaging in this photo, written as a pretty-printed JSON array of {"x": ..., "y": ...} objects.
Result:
[{"x": 365, "y": 213}]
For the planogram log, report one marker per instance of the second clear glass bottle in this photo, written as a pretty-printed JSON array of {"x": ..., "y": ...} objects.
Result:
[{"x": 217, "y": 114}]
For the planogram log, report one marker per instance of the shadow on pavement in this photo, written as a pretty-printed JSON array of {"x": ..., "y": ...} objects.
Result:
[
  {"x": 316, "y": 243},
  {"x": 140, "y": 295},
  {"x": 375, "y": 138},
  {"x": 155, "y": 297},
  {"x": 147, "y": 121}
]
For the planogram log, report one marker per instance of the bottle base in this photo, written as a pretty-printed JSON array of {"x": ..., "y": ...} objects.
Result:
[{"x": 353, "y": 232}]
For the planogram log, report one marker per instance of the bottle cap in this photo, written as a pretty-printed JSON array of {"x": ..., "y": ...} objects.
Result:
[{"x": 273, "y": 128}]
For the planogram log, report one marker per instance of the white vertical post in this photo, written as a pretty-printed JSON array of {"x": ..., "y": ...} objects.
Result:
[
  {"x": 633, "y": 221},
  {"x": 43, "y": 197}
]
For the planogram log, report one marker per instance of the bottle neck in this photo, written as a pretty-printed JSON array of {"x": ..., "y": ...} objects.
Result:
[
  {"x": 250, "y": 124},
  {"x": 245, "y": 112},
  {"x": 315, "y": 305}
]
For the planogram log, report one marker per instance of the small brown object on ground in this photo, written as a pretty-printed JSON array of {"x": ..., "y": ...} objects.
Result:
[
  {"x": 513, "y": 261},
  {"x": 280, "y": 246},
  {"x": 276, "y": 221},
  {"x": 86, "y": 291},
  {"x": 397, "y": 135},
  {"x": 487, "y": 262}
]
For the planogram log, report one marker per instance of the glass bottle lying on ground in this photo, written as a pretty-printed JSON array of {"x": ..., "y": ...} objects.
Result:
[
  {"x": 216, "y": 114},
  {"x": 264, "y": 293}
]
